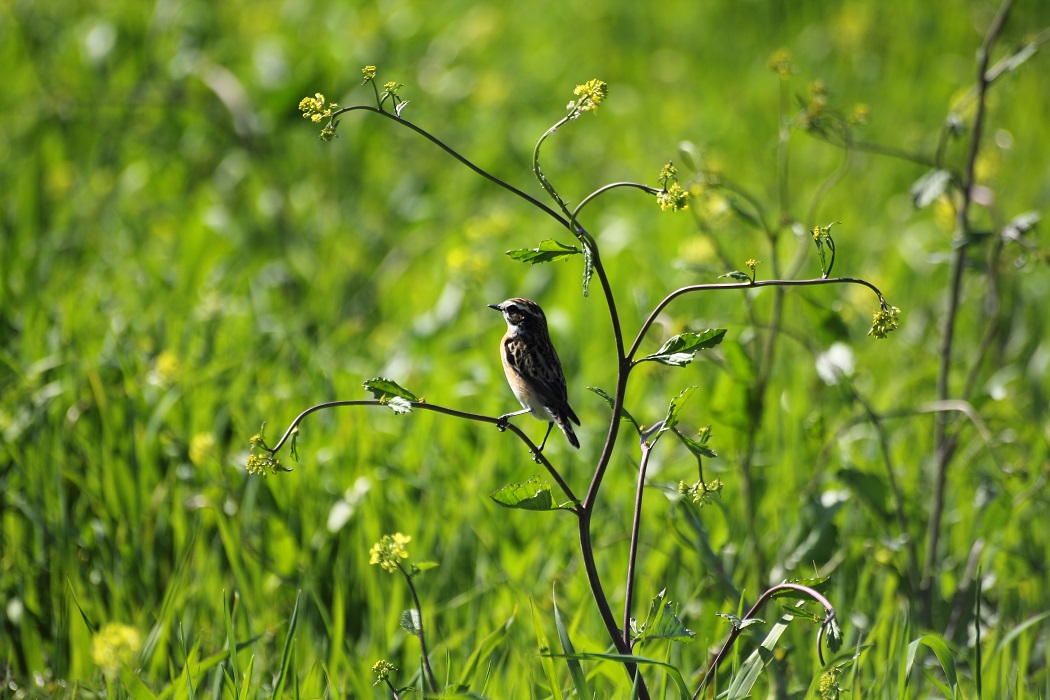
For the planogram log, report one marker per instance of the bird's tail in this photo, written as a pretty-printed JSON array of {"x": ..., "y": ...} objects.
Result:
[{"x": 566, "y": 427}]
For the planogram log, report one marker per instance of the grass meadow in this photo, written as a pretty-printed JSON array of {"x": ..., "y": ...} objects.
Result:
[{"x": 182, "y": 259}]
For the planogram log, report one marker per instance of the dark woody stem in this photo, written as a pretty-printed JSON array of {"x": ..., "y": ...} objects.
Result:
[
  {"x": 422, "y": 640},
  {"x": 586, "y": 510}
]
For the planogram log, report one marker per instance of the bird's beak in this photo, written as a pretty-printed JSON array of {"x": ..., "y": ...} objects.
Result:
[{"x": 495, "y": 306}]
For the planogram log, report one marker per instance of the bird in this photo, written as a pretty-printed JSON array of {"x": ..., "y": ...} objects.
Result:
[{"x": 533, "y": 369}]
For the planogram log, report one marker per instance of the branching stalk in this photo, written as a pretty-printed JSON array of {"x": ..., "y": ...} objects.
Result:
[{"x": 943, "y": 444}]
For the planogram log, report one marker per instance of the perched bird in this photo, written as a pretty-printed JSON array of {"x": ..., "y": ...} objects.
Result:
[{"x": 533, "y": 369}]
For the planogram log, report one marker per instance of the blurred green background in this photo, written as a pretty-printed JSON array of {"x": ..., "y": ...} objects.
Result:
[{"x": 182, "y": 259}]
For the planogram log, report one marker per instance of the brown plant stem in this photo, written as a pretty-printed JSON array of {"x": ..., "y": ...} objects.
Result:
[{"x": 944, "y": 444}]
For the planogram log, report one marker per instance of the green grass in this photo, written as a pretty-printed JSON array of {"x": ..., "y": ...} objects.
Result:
[{"x": 181, "y": 259}]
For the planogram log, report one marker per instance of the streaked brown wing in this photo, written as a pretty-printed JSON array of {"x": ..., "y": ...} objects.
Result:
[{"x": 538, "y": 364}]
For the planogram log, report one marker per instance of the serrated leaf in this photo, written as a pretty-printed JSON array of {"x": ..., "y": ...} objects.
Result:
[
  {"x": 549, "y": 250},
  {"x": 675, "y": 407},
  {"x": 531, "y": 495},
  {"x": 381, "y": 387},
  {"x": 624, "y": 415},
  {"x": 411, "y": 622},
  {"x": 680, "y": 350},
  {"x": 929, "y": 187},
  {"x": 833, "y": 635},
  {"x": 661, "y": 622},
  {"x": 737, "y": 275},
  {"x": 695, "y": 447}
]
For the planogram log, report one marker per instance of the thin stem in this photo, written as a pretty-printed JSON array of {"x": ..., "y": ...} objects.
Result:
[
  {"x": 393, "y": 689},
  {"x": 462, "y": 159},
  {"x": 647, "y": 449},
  {"x": 740, "y": 285},
  {"x": 579, "y": 207},
  {"x": 419, "y": 633},
  {"x": 502, "y": 425},
  {"x": 712, "y": 668},
  {"x": 943, "y": 448}
]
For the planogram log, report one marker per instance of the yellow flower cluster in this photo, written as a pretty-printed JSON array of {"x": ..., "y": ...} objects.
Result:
[
  {"x": 885, "y": 321},
  {"x": 829, "y": 684},
  {"x": 315, "y": 109},
  {"x": 388, "y": 551},
  {"x": 673, "y": 198},
  {"x": 751, "y": 263},
  {"x": 590, "y": 94},
  {"x": 114, "y": 647},
  {"x": 382, "y": 669},
  {"x": 369, "y": 73},
  {"x": 701, "y": 493}
]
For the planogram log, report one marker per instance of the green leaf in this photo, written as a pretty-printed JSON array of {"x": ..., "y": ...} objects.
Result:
[
  {"x": 929, "y": 187},
  {"x": 286, "y": 655},
  {"x": 661, "y": 622},
  {"x": 579, "y": 679},
  {"x": 673, "y": 409},
  {"x": 738, "y": 623},
  {"x": 588, "y": 269},
  {"x": 424, "y": 566},
  {"x": 745, "y": 679},
  {"x": 381, "y": 388},
  {"x": 531, "y": 495},
  {"x": 295, "y": 444},
  {"x": 546, "y": 661},
  {"x": 680, "y": 350},
  {"x": 483, "y": 650},
  {"x": 549, "y": 250},
  {"x": 673, "y": 673},
  {"x": 697, "y": 448},
  {"x": 411, "y": 622},
  {"x": 231, "y": 642},
  {"x": 246, "y": 686},
  {"x": 624, "y": 415},
  {"x": 940, "y": 649},
  {"x": 833, "y": 635},
  {"x": 737, "y": 275},
  {"x": 690, "y": 155},
  {"x": 398, "y": 405},
  {"x": 1019, "y": 629},
  {"x": 137, "y": 690}
]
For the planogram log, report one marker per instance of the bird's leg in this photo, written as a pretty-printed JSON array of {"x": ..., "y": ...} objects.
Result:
[
  {"x": 501, "y": 422},
  {"x": 536, "y": 455}
]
